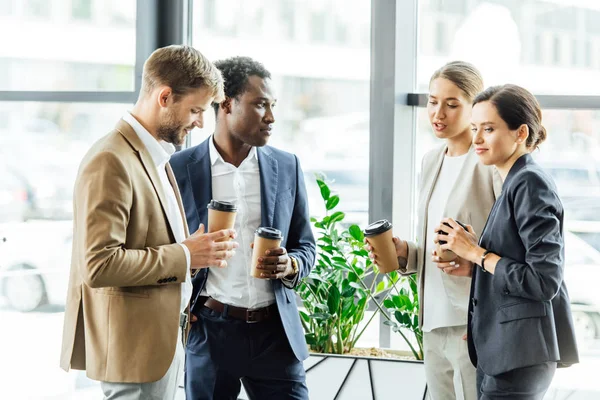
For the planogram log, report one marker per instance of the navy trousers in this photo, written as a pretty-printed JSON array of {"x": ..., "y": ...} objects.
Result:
[
  {"x": 222, "y": 353},
  {"x": 529, "y": 383}
]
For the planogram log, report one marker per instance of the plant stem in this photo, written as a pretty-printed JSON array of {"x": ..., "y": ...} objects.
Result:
[
  {"x": 356, "y": 337},
  {"x": 417, "y": 356}
]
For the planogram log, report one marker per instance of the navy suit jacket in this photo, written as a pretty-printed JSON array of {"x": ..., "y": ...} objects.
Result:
[
  {"x": 521, "y": 315},
  {"x": 284, "y": 206}
]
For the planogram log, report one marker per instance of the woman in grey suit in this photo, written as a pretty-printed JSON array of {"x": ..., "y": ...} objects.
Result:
[
  {"x": 453, "y": 183},
  {"x": 520, "y": 325}
]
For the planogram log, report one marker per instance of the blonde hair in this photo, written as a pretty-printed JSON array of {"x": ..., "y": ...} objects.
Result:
[
  {"x": 182, "y": 68},
  {"x": 464, "y": 75}
]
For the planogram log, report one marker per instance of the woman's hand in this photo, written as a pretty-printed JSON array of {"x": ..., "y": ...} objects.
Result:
[
  {"x": 456, "y": 267},
  {"x": 400, "y": 245},
  {"x": 462, "y": 242}
]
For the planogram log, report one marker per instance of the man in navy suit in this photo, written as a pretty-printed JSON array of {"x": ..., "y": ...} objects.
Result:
[{"x": 247, "y": 329}]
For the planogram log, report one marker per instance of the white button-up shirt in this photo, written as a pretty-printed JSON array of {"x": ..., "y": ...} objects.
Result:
[
  {"x": 234, "y": 285},
  {"x": 161, "y": 152}
]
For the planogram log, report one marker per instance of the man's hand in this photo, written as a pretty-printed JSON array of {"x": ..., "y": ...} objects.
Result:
[
  {"x": 206, "y": 252},
  {"x": 275, "y": 264}
]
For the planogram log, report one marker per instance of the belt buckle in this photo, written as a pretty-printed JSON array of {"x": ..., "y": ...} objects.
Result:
[{"x": 250, "y": 319}]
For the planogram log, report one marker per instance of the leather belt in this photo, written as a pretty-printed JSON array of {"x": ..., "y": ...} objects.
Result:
[{"x": 241, "y": 313}]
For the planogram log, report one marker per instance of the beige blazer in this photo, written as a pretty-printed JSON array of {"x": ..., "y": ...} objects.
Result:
[
  {"x": 470, "y": 202},
  {"x": 122, "y": 313}
]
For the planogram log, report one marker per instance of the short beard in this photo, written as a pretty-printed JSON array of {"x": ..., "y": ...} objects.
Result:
[{"x": 170, "y": 131}]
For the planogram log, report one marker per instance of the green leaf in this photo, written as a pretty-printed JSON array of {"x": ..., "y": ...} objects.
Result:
[
  {"x": 389, "y": 323},
  {"x": 310, "y": 338},
  {"x": 388, "y": 303},
  {"x": 337, "y": 216},
  {"x": 319, "y": 225},
  {"x": 332, "y": 202},
  {"x": 398, "y": 301},
  {"x": 380, "y": 287},
  {"x": 304, "y": 316},
  {"x": 333, "y": 301},
  {"x": 356, "y": 285},
  {"x": 325, "y": 192},
  {"x": 349, "y": 291},
  {"x": 356, "y": 233},
  {"x": 321, "y": 316}
]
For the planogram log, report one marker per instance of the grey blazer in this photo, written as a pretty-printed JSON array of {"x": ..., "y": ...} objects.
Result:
[
  {"x": 521, "y": 315},
  {"x": 470, "y": 202}
]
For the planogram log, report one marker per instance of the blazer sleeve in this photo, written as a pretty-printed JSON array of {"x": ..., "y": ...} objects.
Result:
[
  {"x": 538, "y": 216},
  {"x": 102, "y": 221},
  {"x": 301, "y": 242},
  {"x": 410, "y": 266}
]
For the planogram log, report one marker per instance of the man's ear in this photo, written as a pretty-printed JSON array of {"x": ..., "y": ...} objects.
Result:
[
  {"x": 226, "y": 105},
  {"x": 163, "y": 96}
]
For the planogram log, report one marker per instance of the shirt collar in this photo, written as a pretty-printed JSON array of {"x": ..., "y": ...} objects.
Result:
[
  {"x": 215, "y": 156},
  {"x": 159, "y": 150}
]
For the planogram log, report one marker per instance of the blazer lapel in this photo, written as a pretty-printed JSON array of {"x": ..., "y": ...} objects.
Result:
[
  {"x": 431, "y": 184},
  {"x": 199, "y": 170},
  {"x": 268, "y": 185},
  {"x": 178, "y": 197},
  {"x": 132, "y": 137}
]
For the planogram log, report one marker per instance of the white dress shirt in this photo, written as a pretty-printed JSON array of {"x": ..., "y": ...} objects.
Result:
[
  {"x": 438, "y": 311},
  {"x": 234, "y": 285},
  {"x": 161, "y": 152}
]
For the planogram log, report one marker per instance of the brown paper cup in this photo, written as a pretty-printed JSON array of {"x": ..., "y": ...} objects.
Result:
[
  {"x": 379, "y": 236},
  {"x": 264, "y": 239},
  {"x": 221, "y": 215}
]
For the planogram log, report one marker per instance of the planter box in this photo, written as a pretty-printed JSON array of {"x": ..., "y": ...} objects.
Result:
[{"x": 348, "y": 377}]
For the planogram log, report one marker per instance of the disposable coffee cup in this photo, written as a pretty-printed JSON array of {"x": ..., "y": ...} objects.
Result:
[
  {"x": 221, "y": 215},
  {"x": 264, "y": 239},
  {"x": 446, "y": 255},
  {"x": 379, "y": 237}
]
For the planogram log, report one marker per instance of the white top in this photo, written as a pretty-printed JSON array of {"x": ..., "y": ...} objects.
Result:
[
  {"x": 233, "y": 285},
  {"x": 161, "y": 152},
  {"x": 438, "y": 312}
]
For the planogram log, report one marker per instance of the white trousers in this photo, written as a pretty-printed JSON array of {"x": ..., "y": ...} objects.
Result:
[
  {"x": 163, "y": 389},
  {"x": 448, "y": 369}
]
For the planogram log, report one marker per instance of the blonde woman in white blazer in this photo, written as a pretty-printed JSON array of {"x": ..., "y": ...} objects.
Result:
[{"x": 453, "y": 184}]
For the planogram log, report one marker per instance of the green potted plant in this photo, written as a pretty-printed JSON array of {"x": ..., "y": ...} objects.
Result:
[{"x": 342, "y": 286}]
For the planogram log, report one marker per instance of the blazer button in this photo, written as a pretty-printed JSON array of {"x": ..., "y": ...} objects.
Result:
[
  {"x": 161, "y": 281},
  {"x": 174, "y": 279},
  {"x": 474, "y": 301},
  {"x": 506, "y": 291}
]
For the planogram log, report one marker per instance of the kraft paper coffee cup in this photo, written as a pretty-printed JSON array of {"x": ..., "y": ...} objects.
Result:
[
  {"x": 221, "y": 215},
  {"x": 264, "y": 239},
  {"x": 379, "y": 237}
]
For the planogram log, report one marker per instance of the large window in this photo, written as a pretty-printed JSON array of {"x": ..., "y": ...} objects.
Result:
[
  {"x": 67, "y": 45},
  {"x": 41, "y": 145},
  {"x": 318, "y": 54},
  {"x": 548, "y": 46}
]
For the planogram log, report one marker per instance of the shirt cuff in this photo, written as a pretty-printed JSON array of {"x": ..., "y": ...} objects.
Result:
[
  {"x": 188, "y": 256},
  {"x": 290, "y": 283}
]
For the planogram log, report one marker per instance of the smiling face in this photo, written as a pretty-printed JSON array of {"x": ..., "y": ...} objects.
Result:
[
  {"x": 495, "y": 143},
  {"x": 448, "y": 108},
  {"x": 178, "y": 116}
]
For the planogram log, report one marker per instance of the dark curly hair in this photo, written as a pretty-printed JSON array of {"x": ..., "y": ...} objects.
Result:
[{"x": 236, "y": 71}]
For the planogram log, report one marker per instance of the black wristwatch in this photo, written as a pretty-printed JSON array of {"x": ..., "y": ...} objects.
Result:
[{"x": 485, "y": 253}]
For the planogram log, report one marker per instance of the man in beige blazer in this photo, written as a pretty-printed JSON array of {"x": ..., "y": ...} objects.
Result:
[{"x": 132, "y": 254}]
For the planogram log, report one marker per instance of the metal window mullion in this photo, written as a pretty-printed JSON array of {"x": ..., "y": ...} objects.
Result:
[
  {"x": 68, "y": 97},
  {"x": 562, "y": 102}
]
